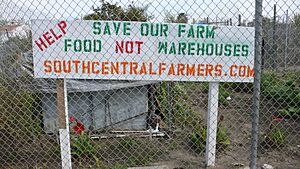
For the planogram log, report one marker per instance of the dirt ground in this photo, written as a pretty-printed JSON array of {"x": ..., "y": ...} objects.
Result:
[
  {"x": 177, "y": 152},
  {"x": 237, "y": 118}
]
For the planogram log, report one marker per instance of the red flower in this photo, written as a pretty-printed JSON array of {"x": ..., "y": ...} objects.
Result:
[{"x": 79, "y": 127}]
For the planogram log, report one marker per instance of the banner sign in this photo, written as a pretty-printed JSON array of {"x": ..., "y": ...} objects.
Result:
[{"x": 82, "y": 49}]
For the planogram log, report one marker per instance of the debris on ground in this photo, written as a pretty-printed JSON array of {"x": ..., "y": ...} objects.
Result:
[{"x": 267, "y": 166}]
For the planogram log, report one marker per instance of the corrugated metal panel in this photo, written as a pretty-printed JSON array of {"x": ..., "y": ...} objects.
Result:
[
  {"x": 127, "y": 103},
  {"x": 124, "y": 109}
]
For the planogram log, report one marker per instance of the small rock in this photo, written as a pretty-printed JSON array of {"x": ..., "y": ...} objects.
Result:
[
  {"x": 228, "y": 98},
  {"x": 267, "y": 166},
  {"x": 298, "y": 146},
  {"x": 150, "y": 167},
  {"x": 246, "y": 167},
  {"x": 238, "y": 164}
]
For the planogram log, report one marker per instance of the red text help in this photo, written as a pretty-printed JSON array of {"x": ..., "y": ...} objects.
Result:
[{"x": 49, "y": 37}]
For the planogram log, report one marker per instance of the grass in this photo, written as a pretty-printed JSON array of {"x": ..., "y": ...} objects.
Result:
[
  {"x": 126, "y": 152},
  {"x": 276, "y": 137}
]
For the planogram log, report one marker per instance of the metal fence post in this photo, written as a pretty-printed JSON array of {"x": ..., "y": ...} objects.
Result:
[
  {"x": 257, "y": 75},
  {"x": 286, "y": 38}
]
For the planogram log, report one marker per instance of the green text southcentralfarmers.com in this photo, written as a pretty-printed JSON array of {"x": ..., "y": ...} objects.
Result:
[{"x": 188, "y": 45}]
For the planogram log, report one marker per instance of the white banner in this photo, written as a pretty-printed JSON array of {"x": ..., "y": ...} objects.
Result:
[{"x": 142, "y": 51}]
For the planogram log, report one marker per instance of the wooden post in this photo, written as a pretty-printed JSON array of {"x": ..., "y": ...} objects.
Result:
[
  {"x": 64, "y": 133},
  {"x": 212, "y": 126},
  {"x": 170, "y": 104},
  {"x": 152, "y": 109}
]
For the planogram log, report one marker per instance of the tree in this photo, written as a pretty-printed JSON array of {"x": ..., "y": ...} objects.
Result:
[
  {"x": 108, "y": 11},
  {"x": 180, "y": 18},
  {"x": 296, "y": 24},
  {"x": 294, "y": 35},
  {"x": 169, "y": 18},
  {"x": 297, "y": 20}
]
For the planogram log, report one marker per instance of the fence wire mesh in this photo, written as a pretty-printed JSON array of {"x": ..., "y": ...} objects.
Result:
[{"x": 116, "y": 124}]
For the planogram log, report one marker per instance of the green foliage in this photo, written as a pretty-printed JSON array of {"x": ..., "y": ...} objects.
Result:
[
  {"x": 297, "y": 19},
  {"x": 223, "y": 93},
  {"x": 109, "y": 11},
  {"x": 289, "y": 112},
  {"x": 276, "y": 137},
  {"x": 183, "y": 115},
  {"x": 238, "y": 87},
  {"x": 19, "y": 118},
  {"x": 82, "y": 146},
  {"x": 297, "y": 25},
  {"x": 284, "y": 91},
  {"x": 128, "y": 143},
  {"x": 173, "y": 145},
  {"x": 11, "y": 52},
  {"x": 139, "y": 161},
  {"x": 118, "y": 166},
  {"x": 180, "y": 18},
  {"x": 198, "y": 138},
  {"x": 137, "y": 152}
]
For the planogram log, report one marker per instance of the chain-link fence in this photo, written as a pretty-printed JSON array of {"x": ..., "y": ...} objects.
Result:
[{"x": 116, "y": 124}]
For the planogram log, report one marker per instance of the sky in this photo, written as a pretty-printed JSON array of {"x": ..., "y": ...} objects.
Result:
[{"x": 197, "y": 9}]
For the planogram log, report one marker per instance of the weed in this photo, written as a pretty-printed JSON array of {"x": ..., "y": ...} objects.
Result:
[
  {"x": 183, "y": 115},
  {"x": 283, "y": 90},
  {"x": 276, "y": 137},
  {"x": 173, "y": 145},
  {"x": 82, "y": 146},
  {"x": 119, "y": 166},
  {"x": 128, "y": 143},
  {"x": 139, "y": 161},
  {"x": 223, "y": 93},
  {"x": 198, "y": 138}
]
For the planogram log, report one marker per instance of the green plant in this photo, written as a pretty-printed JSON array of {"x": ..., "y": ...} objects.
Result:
[
  {"x": 19, "y": 117},
  {"x": 173, "y": 145},
  {"x": 139, "y": 161},
  {"x": 82, "y": 146},
  {"x": 294, "y": 111},
  {"x": 238, "y": 87},
  {"x": 136, "y": 152},
  {"x": 198, "y": 138},
  {"x": 183, "y": 114},
  {"x": 98, "y": 162},
  {"x": 128, "y": 143},
  {"x": 223, "y": 93},
  {"x": 276, "y": 137},
  {"x": 284, "y": 113},
  {"x": 284, "y": 91},
  {"x": 119, "y": 166},
  {"x": 289, "y": 112}
]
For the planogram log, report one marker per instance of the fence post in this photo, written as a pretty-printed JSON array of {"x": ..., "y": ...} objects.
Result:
[
  {"x": 212, "y": 124},
  {"x": 274, "y": 45},
  {"x": 64, "y": 133},
  {"x": 256, "y": 90},
  {"x": 286, "y": 38},
  {"x": 170, "y": 104}
]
